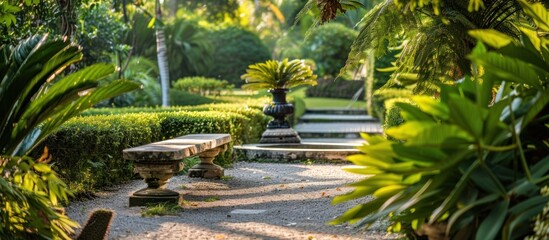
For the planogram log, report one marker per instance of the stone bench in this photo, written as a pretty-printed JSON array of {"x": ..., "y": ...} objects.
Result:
[{"x": 159, "y": 161}]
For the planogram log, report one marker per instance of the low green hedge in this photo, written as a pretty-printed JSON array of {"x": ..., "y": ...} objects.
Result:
[{"x": 87, "y": 150}]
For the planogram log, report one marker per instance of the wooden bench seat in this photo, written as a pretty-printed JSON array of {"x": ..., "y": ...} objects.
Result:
[{"x": 157, "y": 162}]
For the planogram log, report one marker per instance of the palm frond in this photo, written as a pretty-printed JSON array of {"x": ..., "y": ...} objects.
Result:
[{"x": 274, "y": 74}]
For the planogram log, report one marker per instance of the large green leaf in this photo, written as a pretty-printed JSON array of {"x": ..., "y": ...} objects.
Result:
[
  {"x": 491, "y": 37},
  {"x": 432, "y": 106},
  {"x": 467, "y": 115},
  {"x": 510, "y": 69},
  {"x": 56, "y": 98},
  {"x": 413, "y": 113},
  {"x": 110, "y": 90},
  {"x": 423, "y": 156},
  {"x": 453, "y": 197},
  {"x": 443, "y": 135},
  {"x": 490, "y": 227},
  {"x": 409, "y": 129},
  {"x": 538, "y": 12},
  {"x": 457, "y": 216}
]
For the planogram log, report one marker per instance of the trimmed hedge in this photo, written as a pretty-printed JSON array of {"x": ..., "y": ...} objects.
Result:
[
  {"x": 331, "y": 88},
  {"x": 87, "y": 150}
]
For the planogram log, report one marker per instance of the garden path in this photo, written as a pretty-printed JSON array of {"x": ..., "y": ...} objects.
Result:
[{"x": 255, "y": 201}]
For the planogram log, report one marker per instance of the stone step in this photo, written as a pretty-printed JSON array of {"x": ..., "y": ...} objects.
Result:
[
  {"x": 336, "y": 111},
  {"x": 317, "y": 117},
  {"x": 337, "y": 129}
]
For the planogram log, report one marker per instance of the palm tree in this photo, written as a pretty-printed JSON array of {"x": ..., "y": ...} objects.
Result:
[{"x": 162, "y": 55}]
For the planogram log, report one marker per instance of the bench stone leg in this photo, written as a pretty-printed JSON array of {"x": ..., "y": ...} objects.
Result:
[
  {"x": 206, "y": 168},
  {"x": 156, "y": 175}
]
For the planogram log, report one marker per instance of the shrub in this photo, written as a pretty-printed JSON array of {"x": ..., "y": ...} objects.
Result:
[
  {"x": 88, "y": 149},
  {"x": 329, "y": 45},
  {"x": 203, "y": 86},
  {"x": 236, "y": 48},
  {"x": 331, "y": 88}
]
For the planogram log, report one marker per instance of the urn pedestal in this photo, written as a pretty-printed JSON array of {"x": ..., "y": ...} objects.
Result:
[{"x": 278, "y": 129}]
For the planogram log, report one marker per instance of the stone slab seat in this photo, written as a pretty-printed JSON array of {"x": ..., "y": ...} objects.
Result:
[{"x": 157, "y": 162}]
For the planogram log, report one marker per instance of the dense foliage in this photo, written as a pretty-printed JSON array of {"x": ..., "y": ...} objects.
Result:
[
  {"x": 236, "y": 48},
  {"x": 35, "y": 100},
  {"x": 472, "y": 164}
]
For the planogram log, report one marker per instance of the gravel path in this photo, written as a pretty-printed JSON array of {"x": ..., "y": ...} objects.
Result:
[{"x": 258, "y": 201}]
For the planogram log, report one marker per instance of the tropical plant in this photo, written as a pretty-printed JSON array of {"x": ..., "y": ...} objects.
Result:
[
  {"x": 190, "y": 49},
  {"x": 34, "y": 102},
  {"x": 470, "y": 165},
  {"x": 141, "y": 71},
  {"x": 274, "y": 74},
  {"x": 162, "y": 54},
  {"x": 435, "y": 36}
]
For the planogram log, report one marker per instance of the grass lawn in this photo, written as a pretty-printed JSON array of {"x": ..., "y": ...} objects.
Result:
[{"x": 310, "y": 103}]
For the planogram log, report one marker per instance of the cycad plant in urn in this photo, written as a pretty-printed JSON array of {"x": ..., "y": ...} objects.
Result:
[{"x": 278, "y": 77}]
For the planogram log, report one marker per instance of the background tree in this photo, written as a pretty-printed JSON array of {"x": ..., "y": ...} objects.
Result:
[{"x": 435, "y": 35}]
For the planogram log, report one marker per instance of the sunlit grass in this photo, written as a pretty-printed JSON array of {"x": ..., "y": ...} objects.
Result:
[{"x": 161, "y": 209}]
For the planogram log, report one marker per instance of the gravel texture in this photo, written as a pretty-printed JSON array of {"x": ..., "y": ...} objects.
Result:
[{"x": 255, "y": 201}]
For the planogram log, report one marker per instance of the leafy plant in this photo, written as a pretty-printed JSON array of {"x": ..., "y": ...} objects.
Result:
[
  {"x": 34, "y": 101},
  {"x": 435, "y": 36},
  {"x": 274, "y": 74},
  {"x": 470, "y": 165},
  {"x": 139, "y": 70},
  {"x": 190, "y": 49}
]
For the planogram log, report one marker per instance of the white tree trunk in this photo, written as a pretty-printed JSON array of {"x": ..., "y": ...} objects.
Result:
[{"x": 162, "y": 57}]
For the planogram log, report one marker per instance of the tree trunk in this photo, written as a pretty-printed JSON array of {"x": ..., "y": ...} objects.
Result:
[{"x": 161, "y": 55}]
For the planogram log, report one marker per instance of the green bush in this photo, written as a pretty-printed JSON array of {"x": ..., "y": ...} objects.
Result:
[
  {"x": 329, "y": 45},
  {"x": 88, "y": 150},
  {"x": 202, "y": 85},
  {"x": 235, "y": 50},
  {"x": 339, "y": 88}
]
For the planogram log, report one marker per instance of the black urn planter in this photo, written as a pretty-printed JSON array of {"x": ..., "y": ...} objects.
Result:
[
  {"x": 278, "y": 109},
  {"x": 278, "y": 129}
]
